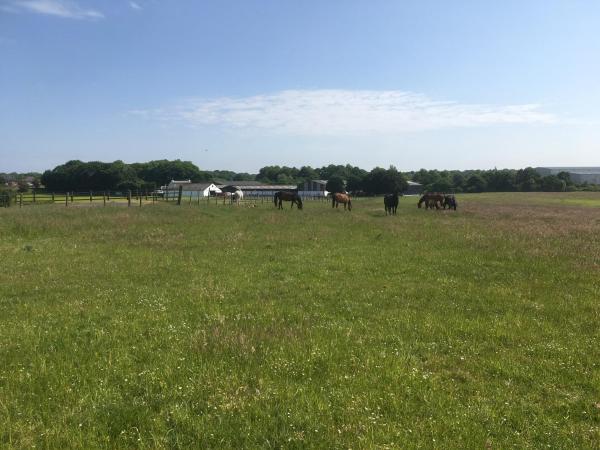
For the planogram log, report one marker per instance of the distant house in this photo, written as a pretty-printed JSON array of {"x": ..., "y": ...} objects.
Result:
[{"x": 578, "y": 175}]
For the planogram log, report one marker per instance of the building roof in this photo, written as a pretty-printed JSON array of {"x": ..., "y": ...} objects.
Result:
[
  {"x": 196, "y": 186},
  {"x": 261, "y": 187}
]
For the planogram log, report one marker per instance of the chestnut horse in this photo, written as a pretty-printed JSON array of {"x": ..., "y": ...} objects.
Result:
[
  {"x": 282, "y": 196},
  {"x": 341, "y": 198},
  {"x": 431, "y": 200}
]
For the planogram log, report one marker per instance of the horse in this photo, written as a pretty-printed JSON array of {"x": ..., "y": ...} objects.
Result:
[
  {"x": 337, "y": 198},
  {"x": 238, "y": 196},
  {"x": 225, "y": 195},
  {"x": 287, "y": 196},
  {"x": 450, "y": 202},
  {"x": 431, "y": 200},
  {"x": 390, "y": 203}
]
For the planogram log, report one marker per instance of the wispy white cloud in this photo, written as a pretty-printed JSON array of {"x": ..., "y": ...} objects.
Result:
[
  {"x": 61, "y": 8},
  {"x": 135, "y": 5},
  {"x": 344, "y": 112}
]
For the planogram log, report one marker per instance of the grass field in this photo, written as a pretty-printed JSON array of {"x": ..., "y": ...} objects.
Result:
[{"x": 234, "y": 327}]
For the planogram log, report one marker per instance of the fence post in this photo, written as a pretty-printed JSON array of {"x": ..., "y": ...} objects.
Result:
[
  {"x": 140, "y": 200},
  {"x": 108, "y": 196},
  {"x": 179, "y": 194},
  {"x": 104, "y": 198},
  {"x": 90, "y": 196},
  {"x": 53, "y": 197},
  {"x": 71, "y": 197},
  {"x": 198, "y": 198},
  {"x": 128, "y": 198},
  {"x": 66, "y": 199},
  {"x": 33, "y": 195},
  {"x": 20, "y": 200}
]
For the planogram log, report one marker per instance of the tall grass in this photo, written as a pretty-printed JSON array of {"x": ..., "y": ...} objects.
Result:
[{"x": 225, "y": 327}]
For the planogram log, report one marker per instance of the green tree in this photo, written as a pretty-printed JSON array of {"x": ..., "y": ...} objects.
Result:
[
  {"x": 553, "y": 183},
  {"x": 335, "y": 184},
  {"x": 475, "y": 183},
  {"x": 383, "y": 181},
  {"x": 527, "y": 179}
]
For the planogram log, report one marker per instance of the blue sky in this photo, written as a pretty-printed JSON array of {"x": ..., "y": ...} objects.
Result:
[{"x": 242, "y": 84}]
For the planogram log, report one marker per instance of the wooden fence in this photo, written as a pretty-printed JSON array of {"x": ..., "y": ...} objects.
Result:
[{"x": 133, "y": 198}]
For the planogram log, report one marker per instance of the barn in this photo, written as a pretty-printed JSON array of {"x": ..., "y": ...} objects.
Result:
[
  {"x": 194, "y": 189},
  {"x": 413, "y": 188}
]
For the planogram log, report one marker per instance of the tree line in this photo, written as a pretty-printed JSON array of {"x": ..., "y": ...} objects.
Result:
[{"x": 95, "y": 175}]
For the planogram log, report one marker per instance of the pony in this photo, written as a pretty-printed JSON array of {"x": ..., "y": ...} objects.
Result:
[
  {"x": 390, "y": 203},
  {"x": 431, "y": 200},
  {"x": 224, "y": 195},
  {"x": 282, "y": 196},
  {"x": 337, "y": 198},
  {"x": 450, "y": 202}
]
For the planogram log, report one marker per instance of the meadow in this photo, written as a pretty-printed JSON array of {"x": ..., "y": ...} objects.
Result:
[{"x": 191, "y": 326}]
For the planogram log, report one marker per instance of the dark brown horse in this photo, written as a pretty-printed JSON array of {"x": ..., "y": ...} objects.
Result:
[
  {"x": 450, "y": 202},
  {"x": 287, "y": 196},
  {"x": 431, "y": 200},
  {"x": 338, "y": 198},
  {"x": 390, "y": 203}
]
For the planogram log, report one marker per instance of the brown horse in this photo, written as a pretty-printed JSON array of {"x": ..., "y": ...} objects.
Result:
[
  {"x": 431, "y": 200},
  {"x": 282, "y": 196},
  {"x": 338, "y": 198}
]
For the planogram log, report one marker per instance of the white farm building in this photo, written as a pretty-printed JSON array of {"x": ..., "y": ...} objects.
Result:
[{"x": 194, "y": 189}]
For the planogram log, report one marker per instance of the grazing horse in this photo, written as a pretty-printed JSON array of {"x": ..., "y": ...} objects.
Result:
[
  {"x": 390, "y": 203},
  {"x": 282, "y": 196},
  {"x": 338, "y": 198},
  {"x": 450, "y": 202},
  {"x": 431, "y": 200}
]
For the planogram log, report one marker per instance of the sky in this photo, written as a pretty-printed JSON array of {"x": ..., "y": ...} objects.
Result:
[{"x": 242, "y": 84}]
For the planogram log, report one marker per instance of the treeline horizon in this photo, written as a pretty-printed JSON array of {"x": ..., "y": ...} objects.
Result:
[{"x": 77, "y": 175}]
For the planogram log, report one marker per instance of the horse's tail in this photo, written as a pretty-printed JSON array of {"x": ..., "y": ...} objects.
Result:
[{"x": 349, "y": 204}]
